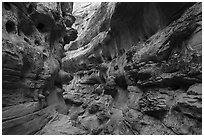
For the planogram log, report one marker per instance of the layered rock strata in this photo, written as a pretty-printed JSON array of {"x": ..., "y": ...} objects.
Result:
[{"x": 33, "y": 37}]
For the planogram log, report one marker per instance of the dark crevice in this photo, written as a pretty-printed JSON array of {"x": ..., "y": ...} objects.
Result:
[
  {"x": 170, "y": 128},
  {"x": 192, "y": 117},
  {"x": 27, "y": 40},
  {"x": 41, "y": 27},
  {"x": 10, "y": 26},
  {"x": 7, "y": 5},
  {"x": 37, "y": 42}
]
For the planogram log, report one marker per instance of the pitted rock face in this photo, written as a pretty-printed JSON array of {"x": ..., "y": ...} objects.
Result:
[{"x": 32, "y": 49}]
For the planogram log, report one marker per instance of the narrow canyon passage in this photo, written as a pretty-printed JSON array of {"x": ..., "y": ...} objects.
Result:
[{"x": 103, "y": 68}]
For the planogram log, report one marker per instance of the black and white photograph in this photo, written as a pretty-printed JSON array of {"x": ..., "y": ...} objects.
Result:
[{"x": 101, "y": 68}]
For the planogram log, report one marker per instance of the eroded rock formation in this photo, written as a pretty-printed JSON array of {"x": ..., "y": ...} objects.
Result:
[
  {"x": 134, "y": 66},
  {"x": 134, "y": 69},
  {"x": 32, "y": 48}
]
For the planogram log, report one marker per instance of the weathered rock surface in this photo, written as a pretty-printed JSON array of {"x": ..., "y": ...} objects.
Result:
[
  {"x": 139, "y": 66},
  {"x": 135, "y": 69},
  {"x": 83, "y": 12},
  {"x": 32, "y": 48}
]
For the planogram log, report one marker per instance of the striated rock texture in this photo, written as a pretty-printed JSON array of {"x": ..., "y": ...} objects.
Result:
[
  {"x": 33, "y": 36},
  {"x": 134, "y": 69},
  {"x": 137, "y": 70},
  {"x": 83, "y": 12}
]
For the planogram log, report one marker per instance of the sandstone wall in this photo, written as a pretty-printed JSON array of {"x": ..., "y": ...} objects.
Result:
[
  {"x": 33, "y": 36},
  {"x": 138, "y": 70}
]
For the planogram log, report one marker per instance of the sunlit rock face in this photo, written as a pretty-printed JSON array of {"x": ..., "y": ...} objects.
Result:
[
  {"x": 83, "y": 12},
  {"x": 32, "y": 49}
]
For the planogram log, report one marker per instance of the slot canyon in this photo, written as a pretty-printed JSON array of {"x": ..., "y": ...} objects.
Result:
[{"x": 102, "y": 68}]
